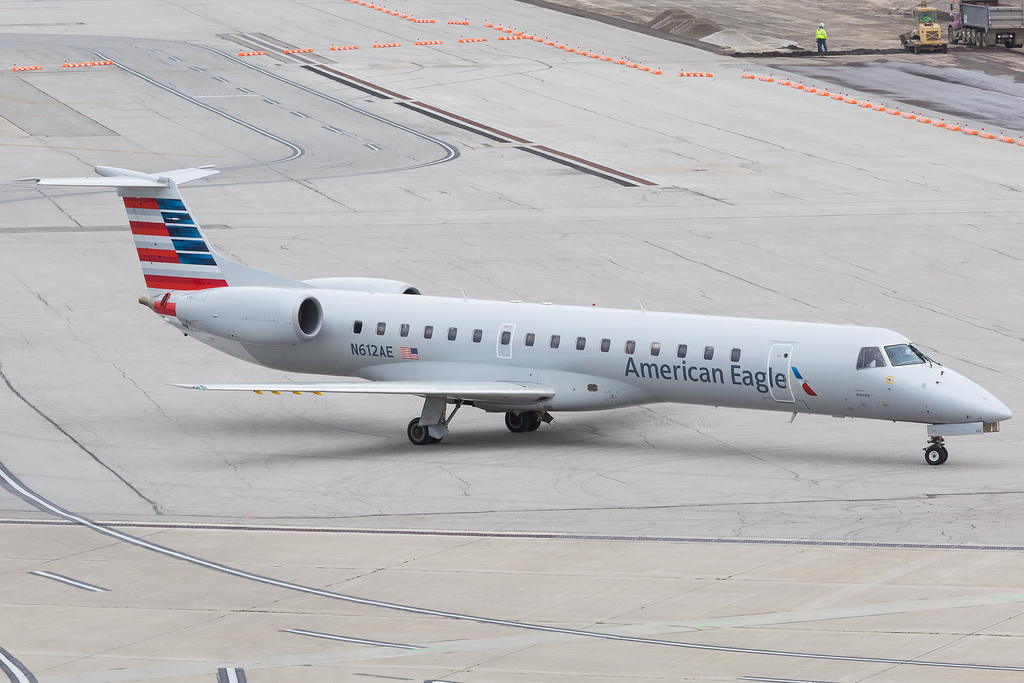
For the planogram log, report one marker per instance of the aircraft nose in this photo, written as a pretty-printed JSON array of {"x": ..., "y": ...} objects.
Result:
[
  {"x": 980, "y": 405},
  {"x": 994, "y": 410}
]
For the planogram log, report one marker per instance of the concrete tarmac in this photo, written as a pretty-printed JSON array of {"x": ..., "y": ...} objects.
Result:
[{"x": 303, "y": 538}]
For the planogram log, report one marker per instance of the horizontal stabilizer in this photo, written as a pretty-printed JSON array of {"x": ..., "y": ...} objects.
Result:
[
  {"x": 121, "y": 177},
  {"x": 498, "y": 392}
]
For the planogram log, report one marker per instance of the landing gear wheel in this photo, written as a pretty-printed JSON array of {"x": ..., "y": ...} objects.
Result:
[
  {"x": 418, "y": 434},
  {"x": 528, "y": 421},
  {"x": 935, "y": 454},
  {"x": 517, "y": 422}
]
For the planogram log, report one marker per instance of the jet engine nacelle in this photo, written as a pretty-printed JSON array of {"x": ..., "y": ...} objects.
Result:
[
  {"x": 363, "y": 284},
  {"x": 267, "y": 316}
]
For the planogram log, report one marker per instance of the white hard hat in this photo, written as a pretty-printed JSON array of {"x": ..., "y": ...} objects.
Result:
[{"x": 821, "y": 25}]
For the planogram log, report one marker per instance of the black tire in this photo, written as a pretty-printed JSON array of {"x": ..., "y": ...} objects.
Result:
[
  {"x": 533, "y": 421},
  {"x": 952, "y": 35},
  {"x": 935, "y": 454},
  {"x": 418, "y": 434},
  {"x": 517, "y": 422}
]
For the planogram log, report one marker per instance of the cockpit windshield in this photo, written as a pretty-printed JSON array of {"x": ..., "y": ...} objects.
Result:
[{"x": 906, "y": 354}]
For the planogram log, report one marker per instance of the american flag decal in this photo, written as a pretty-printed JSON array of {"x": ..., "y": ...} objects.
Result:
[{"x": 408, "y": 352}]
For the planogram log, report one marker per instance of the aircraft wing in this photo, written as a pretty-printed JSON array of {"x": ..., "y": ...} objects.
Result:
[{"x": 497, "y": 392}]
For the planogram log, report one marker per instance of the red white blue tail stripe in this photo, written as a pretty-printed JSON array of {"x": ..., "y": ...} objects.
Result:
[{"x": 173, "y": 251}]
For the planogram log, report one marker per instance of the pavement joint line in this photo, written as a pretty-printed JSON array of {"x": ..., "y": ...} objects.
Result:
[{"x": 553, "y": 536}]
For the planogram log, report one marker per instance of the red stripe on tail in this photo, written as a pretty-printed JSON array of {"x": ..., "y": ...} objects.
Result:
[
  {"x": 140, "y": 203},
  {"x": 141, "y": 228},
  {"x": 158, "y": 256},
  {"x": 182, "y": 283}
]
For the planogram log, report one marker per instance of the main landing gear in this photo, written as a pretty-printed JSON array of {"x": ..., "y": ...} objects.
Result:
[
  {"x": 432, "y": 424},
  {"x": 935, "y": 453},
  {"x": 528, "y": 421}
]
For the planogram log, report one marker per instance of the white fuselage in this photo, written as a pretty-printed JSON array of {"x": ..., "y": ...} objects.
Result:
[{"x": 605, "y": 358}]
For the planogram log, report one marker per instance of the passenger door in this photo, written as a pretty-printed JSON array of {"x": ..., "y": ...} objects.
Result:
[{"x": 780, "y": 359}]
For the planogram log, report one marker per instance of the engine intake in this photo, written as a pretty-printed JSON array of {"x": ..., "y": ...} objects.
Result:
[{"x": 265, "y": 316}]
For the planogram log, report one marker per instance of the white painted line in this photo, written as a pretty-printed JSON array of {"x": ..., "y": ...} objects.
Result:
[
  {"x": 230, "y": 675},
  {"x": 347, "y": 639},
  {"x": 69, "y": 581},
  {"x": 13, "y": 669}
]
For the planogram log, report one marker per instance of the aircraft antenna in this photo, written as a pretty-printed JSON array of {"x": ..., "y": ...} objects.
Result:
[{"x": 642, "y": 309}]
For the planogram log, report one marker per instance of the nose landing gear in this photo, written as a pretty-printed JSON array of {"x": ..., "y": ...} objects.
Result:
[{"x": 935, "y": 453}]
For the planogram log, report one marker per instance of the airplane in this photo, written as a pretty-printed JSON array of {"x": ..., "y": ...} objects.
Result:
[{"x": 525, "y": 360}]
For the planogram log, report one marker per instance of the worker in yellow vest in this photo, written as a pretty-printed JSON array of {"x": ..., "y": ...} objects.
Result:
[{"x": 822, "y": 37}]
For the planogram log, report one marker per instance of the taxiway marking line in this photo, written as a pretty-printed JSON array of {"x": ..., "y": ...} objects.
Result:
[
  {"x": 69, "y": 581},
  {"x": 15, "y": 486},
  {"x": 14, "y": 669},
  {"x": 349, "y": 639}
]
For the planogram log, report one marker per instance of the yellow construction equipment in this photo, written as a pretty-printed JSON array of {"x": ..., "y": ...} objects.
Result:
[{"x": 928, "y": 35}]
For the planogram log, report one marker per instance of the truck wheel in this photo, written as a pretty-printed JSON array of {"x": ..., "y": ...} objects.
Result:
[{"x": 953, "y": 36}]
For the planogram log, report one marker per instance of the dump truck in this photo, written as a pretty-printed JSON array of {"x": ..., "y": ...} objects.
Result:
[
  {"x": 927, "y": 37},
  {"x": 985, "y": 22}
]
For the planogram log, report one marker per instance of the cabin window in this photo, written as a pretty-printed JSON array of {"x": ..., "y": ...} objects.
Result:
[
  {"x": 404, "y": 330},
  {"x": 709, "y": 352},
  {"x": 581, "y": 343},
  {"x": 655, "y": 348},
  {"x": 477, "y": 336},
  {"x": 529, "y": 339},
  {"x": 453, "y": 332},
  {"x": 681, "y": 351},
  {"x": 380, "y": 329},
  {"x": 357, "y": 327},
  {"x": 506, "y": 338},
  {"x": 428, "y": 331},
  {"x": 630, "y": 347},
  {"x": 606, "y": 345},
  {"x": 870, "y": 357},
  {"x": 556, "y": 339},
  {"x": 735, "y": 356}
]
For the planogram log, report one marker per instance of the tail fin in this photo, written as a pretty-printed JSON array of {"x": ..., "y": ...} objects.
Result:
[{"x": 174, "y": 253}]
